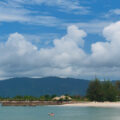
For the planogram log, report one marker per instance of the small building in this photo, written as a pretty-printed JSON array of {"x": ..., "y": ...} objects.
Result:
[{"x": 63, "y": 97}]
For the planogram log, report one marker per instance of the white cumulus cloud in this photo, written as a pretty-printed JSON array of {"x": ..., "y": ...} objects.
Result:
[{"x": 67, "y": 58}]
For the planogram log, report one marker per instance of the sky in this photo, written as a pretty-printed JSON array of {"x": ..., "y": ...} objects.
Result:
[{"x": 64, "y": 38}]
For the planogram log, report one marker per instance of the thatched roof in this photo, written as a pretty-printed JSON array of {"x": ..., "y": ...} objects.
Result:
[{"x": 63, "y": 97}]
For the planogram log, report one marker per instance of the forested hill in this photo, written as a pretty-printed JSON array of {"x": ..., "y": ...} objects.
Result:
[{"x": 42, "y": 86}]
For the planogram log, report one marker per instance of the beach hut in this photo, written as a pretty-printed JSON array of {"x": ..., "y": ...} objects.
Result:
[{"x": 63, "y": 97}]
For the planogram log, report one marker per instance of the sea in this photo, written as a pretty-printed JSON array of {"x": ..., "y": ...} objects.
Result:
[{"x": 61, "y": 113}]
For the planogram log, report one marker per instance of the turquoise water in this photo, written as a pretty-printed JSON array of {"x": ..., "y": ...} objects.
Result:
[{"x": 61, "y": 113}]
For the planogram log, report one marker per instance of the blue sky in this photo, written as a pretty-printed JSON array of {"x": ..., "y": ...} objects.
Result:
[
  {"x": 43, "y": 25},
  {"x": 61, "y": 15},
  {"x": 52, "y": 18}
]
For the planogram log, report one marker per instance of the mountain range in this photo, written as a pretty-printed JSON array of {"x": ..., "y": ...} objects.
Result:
[{"x": 42, "y": 86}]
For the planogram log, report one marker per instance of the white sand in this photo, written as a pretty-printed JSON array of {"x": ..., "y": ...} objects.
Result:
[{"x": 94, "y": 104}]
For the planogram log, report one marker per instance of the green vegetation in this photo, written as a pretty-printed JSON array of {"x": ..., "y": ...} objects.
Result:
[
  {"x": 103, "y": 91},
  {"x": 79, "y": 98},
  {"x": 29, "y": 98},
  {"x": 43, "y": 98}
]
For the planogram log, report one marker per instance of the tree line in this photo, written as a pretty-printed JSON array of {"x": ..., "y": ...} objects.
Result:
[
  {"x": 42, "y": 98},
  {"x": 103, "y": 91}
]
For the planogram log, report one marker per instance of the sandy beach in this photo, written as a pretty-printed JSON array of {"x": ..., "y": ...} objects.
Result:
[{"x": 94, "y": 104}]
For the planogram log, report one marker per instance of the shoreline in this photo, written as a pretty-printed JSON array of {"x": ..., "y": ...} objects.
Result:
[
  {"x": 58, "y": 103},
  {"x": 29, "y": 103},
  {"x": 93, "y": 104}
]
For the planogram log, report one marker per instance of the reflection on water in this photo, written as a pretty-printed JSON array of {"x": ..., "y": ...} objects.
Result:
[{"x": 61, "y": 113}]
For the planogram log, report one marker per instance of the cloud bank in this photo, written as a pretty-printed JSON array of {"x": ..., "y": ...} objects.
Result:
[{"x": 67, "y": 58}]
